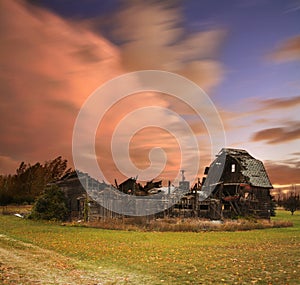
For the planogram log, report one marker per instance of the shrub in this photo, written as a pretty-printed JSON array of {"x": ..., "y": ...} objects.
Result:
[{"x": 50, "y": 206}]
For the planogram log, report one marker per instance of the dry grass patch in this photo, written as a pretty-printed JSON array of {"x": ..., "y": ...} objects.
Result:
[
  {"x": 184, "y": 225},
  {"x": 15, "y": 209}
]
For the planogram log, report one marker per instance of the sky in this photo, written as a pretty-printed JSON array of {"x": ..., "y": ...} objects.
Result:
[{"x": 244, "y": 54}]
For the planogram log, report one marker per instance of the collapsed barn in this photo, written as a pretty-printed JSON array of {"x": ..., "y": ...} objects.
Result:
[{"x": 235, "y": 184}]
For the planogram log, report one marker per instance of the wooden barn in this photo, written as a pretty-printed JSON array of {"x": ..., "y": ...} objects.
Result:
[
  {"x": 238, "y": 184},
  {"x": 96, "y": 204},
  {"x": 235, "y": 184},
  {"x": 81, "y": 205}
]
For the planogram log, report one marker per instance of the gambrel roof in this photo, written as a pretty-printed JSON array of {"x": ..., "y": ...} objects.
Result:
[{"x": 252, "y": 170}]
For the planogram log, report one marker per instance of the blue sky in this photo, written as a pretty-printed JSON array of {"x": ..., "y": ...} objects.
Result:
[{"x": 254, "y": 29}]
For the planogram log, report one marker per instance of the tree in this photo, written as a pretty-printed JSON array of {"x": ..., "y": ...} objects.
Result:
[
  {"x": 292, "y": 203},
  {"x": 6, "y": 184},
  {"x": 30, "y": 181},
  {"x": 56, "y": 169},
  {"x": 52, "y": 205}
]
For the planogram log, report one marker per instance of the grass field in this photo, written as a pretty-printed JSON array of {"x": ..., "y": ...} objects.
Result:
[{"x": 269, "y": 256}]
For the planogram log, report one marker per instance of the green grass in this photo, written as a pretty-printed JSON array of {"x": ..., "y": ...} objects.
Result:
[{"x": 269, "y": 256}]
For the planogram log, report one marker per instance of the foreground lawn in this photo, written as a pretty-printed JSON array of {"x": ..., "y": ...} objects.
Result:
[{"x": 270, "y": 256}]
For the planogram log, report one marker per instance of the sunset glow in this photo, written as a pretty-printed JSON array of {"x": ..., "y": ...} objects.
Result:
[{"x": 245, "y": 55}]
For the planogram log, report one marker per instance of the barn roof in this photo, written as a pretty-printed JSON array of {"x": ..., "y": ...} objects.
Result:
[{"x": 252, "y": 168}]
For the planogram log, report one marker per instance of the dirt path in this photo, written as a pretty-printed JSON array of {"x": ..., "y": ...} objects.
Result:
[{"x": 24, "y": 263}]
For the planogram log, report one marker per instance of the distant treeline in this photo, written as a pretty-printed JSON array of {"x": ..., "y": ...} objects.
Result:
[{"x": 30, "y": 180}]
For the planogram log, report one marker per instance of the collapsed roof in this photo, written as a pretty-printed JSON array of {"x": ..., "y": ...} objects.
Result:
[{"x": 252, "y": 170}]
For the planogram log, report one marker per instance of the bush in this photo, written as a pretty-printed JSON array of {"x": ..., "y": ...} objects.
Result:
[{"x": 50, "y": 206}]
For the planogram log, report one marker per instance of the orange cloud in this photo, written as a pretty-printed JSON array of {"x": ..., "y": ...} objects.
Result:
[
  {"x": 49, "y": 66},
  {"x": 287, "y": 51},
  {"x": 280, "y": 134},
  {"x": 283, "y": 173},
  {"x": 155, "y": 39},
  {"x": 146, "y": 139},
  {"x": 280, "y": 103}
]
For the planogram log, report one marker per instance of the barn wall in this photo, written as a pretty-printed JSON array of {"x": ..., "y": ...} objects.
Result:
[{"x": 232, "y": 177}]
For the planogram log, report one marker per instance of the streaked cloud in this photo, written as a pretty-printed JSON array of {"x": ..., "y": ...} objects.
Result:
[
  {"x": 279, "y": 134},
  {"x": 288, "y": 50},
  {"x": 283, "y": 173},
  {"x": 280, "y": 103},
  {"x": 67, "y": 106},
  {"x": 154, "y": 38},
  {"x": 49, "y": 66}
]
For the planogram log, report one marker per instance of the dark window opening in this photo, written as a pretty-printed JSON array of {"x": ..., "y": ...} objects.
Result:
[{"x": 204, "y": 207}]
